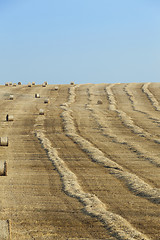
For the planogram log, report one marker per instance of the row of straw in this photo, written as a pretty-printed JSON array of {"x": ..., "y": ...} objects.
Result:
[
  {"x": 104, "y": 126},
  {"x": 150, "y": 96}
]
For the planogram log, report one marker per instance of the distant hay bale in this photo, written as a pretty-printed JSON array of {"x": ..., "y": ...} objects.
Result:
[
  {"x": 56, "y": 88},
  {"x": 46, "y": 83},
  {"x": 41, "y": 112},
  {"x": 33, "y": 83},
  {"x": 19, "y": 83},
  {"x": 9, "y": 117},
  {"x": 6, "y": 84},
  {"x": 37, "y": 95},
  {"x": 4, "y": 141},
  {"x": 72, "y": 83},
  {"x": 43, "y": 85},
  {"x": 5, "y": 230},
  {"x": 99, "y": 101},
  {"x": 29, "y": 85},
  {"x": 10, "y": 83},
  {"x": 11, "y": 97},
  {"x": 3, "y": 168},
  {"x": 14, "y": 84},
  {"x": 46, "y": 100}
]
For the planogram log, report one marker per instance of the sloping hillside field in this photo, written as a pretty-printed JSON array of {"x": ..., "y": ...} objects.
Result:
[{"x": 89, "y": 168}]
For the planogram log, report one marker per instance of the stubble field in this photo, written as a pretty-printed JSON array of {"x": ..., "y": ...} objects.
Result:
[{"x": 89, "y": 168}]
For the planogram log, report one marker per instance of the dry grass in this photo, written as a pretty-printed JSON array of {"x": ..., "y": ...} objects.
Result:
[{"x": 126, "y": 120}]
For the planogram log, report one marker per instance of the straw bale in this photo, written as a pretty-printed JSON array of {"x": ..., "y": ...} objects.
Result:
[
  {"x": 72, "y": 83},
  {"x": 3, "y": 168},
  {"x": 6, "y": 84},
  {"x": 99, "y": 101},
  {"x": 43, "y": 85},
  {"x": 4, "y": 141},
  {"x": 10, "y": 83},
  {"x": 9, "y": 117},
  {"x": 41, "y": 112},
  {"x": 33, "y": 83},
  {"x": 29, "y": 85},
  {"x": 11, "y": 97},
  {"x": 37, "y": 95},
  {"x": 19, "y": 83},
  {"x": 56, "y": 88},
  {"x": 46, "y": 83},
  {"x": 46, "y": 100},
  {"x": 5, "y": 230}
]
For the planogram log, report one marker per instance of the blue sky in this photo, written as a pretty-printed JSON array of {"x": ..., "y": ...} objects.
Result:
[{"x": 85, "y": 41}]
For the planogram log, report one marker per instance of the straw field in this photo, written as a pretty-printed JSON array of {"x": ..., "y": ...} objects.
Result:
[{"x": 87, "y": 168}]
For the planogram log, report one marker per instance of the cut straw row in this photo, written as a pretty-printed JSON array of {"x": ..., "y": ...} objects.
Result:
[
  {"x": 134, "y": 105},
  {"x": 118, "y": 226},
  {"x": 150, "y": 96},
  {"x": 108, "y": 132},
  {"x": 134, "y": 183},
  {"x": 126, "y": 120}
]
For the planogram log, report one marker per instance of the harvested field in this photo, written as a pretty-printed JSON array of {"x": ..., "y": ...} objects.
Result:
[{"x": 82, "y": 170}]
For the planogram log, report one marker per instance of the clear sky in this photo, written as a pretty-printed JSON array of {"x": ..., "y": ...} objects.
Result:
[{"x": 85, "y": 41}]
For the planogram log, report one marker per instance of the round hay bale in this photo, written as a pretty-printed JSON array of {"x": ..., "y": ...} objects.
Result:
[
  {"x": 72, "y": 83},
  {"x": 3, "y": 168},
  {"x": 7, "y": 84},
  {"x": 4, "y": 141},
  {"x": 41, "y": 112},
  {"x": 9, "y": 117},
  {"x": 37, "y": 95},
  {"x": 56, "y": 88},
  {"x": 11, "y": 97},
  {"x": 29, "y": 85},
  {"x": 19, "y": 83},
  {"x": 10, "y": 83},
  {"x": 99, "y": 101},
  {"x": 46, "y": 100},
  {"x": 33, "y": 83},
  {"x": 14, "y": 84},
  {"x": 43, "y": 85},
  {"x": 46, "y": 83}
]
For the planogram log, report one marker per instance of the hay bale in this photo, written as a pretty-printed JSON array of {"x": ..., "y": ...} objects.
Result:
[
  {"x": 43, "y": 85},
  {"x": 3, "y": 168},
  {"x": 46, "y": 100},
  {"x": 19, "y": 83},
  {"x": 29, "y": 85},
  {"x": 4, "y": 141},
  {"x": 37, "y": 95},
  {"x": 99, "y": 101},
  {"x": 7, "y": 84},
  {"x": 14, "y": 84},
  {"x": 11, "y": 97},
  {"x": 72, "y": 83},
  {"x": 46, "y": 83},
  {"x": 41, "y": 112},
  {"x": 33, "y": 83},
  {"x": 10, "y": 83},
  {"x": 56, "y": 88},
  {"x": 5, "y": 230},
  {"x": 9, "y": 117}
]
